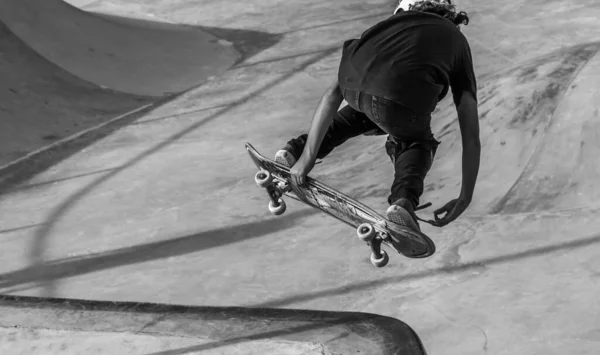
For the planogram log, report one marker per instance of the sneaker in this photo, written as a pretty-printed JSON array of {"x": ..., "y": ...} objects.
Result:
[
  {"x": 286, "y": 158},
  {"x": 290, "y": 153},
  {"x": 402, "y": 212}
]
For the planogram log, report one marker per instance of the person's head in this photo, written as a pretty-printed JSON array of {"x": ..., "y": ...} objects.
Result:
[{"x": 442, "y": 8}]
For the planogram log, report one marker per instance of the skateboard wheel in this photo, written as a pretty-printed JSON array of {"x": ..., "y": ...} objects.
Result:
[
  {"x": 263, "y": 178},
  {"x": 382, "y": 261},
  {"x": 277, "y": 210},
  {"x": 365, "y": 232}
]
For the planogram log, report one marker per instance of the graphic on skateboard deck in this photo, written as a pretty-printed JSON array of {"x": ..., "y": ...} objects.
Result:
[{"x": 371, "y": 227}]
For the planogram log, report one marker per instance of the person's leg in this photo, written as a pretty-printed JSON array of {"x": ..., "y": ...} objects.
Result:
[
  {"x": 411, "y": 148},
  {"x": 412, "y": 161},
  {"x": 346, "y": 124}
]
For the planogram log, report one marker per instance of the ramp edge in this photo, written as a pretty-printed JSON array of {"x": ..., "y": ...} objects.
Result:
[{"x": 338, "y": 332}]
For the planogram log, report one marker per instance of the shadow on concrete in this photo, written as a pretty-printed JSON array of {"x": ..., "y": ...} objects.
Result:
[
  {"x": 50, "y": 182},
  {"x": 217, "y": 327},
  {"x": 45, "y": 272},
  {"x": 247, "y": 43},
  {"x": 446, "y": 270},
  {"x": 178, "y": 114},
  {"x": 4, "y": 231}
]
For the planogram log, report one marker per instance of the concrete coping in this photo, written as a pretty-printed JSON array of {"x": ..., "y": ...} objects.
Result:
[{"x": 337, "y": 332}]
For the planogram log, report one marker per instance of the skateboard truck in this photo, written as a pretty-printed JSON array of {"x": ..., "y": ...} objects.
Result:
[
  {"x": 277, "y": 205},
  {"x": 369, "y": 235}
]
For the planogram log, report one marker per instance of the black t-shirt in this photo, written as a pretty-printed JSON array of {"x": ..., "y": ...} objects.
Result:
[{"x": 411, "y": 58}]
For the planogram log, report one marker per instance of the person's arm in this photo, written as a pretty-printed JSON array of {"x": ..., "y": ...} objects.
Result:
[
  {"x": 464, "y": 92},
  {"x": 327, "y": 108},
  {"x": 468, "y": 118}
]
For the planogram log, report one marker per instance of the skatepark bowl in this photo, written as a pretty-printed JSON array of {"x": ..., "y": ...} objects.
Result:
[{"x": 130, "y": 222}]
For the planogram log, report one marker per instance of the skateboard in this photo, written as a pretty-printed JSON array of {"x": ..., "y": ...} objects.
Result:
[{"x": 371, "y": 227}]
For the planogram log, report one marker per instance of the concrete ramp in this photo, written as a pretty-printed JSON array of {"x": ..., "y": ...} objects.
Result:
[
  {"x": 66, "y": 72},
  {"x": 561, "y": 173},
  {"x": 42, "y": 104},
  {"x": 32, "y": 325},
  {"x": 127, "y": 55}
]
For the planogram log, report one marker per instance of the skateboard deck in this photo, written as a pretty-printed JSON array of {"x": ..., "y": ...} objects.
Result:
[{"x": 371, "y": 227}]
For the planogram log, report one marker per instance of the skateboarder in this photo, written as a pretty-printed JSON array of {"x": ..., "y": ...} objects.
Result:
[{"x": 392, "y": 78}]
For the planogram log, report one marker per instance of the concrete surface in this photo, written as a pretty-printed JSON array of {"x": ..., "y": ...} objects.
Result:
[
  {"x": 52, "y": 68},
  {"x": 34, "y": 325},
  {"x": 42, "y": 104},
  {"x": 165, "y": 209},
  {"x": 140, "y": 56}
]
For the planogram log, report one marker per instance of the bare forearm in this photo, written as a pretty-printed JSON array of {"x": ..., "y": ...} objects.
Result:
[
  {"x": 327, "y": 108},
  {"x": 469, "y": 118},
  {"x": 470, "y": 168}
]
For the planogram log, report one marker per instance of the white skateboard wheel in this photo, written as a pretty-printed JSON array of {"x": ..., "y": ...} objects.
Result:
[
  {"x": 365, "y": 232},
  {"x": 277, "y": 210},
  {"x": 263, "y": 178},
  {"x": 380, "y": 262}
]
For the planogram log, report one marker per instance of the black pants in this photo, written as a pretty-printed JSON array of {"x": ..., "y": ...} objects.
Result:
[{"x": 410, "y": 144}]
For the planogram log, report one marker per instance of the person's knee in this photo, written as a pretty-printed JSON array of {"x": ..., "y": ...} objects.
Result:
[{"x": 421, "y": 155}]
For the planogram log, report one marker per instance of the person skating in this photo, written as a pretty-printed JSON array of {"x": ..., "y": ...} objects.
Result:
[{"x": 392, "y": 78}]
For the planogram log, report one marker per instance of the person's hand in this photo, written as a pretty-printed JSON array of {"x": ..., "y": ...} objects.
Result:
[
  {"x": 302, "y": 167},
  {"x": 453, "y": 209}
]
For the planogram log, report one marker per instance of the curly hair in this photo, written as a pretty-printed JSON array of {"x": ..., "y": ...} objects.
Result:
[{"x": 444, "y": 9}]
